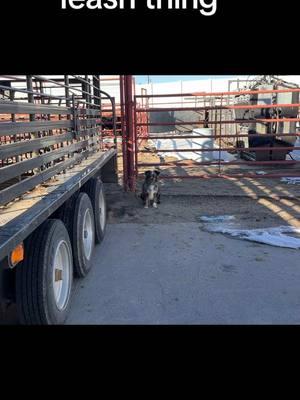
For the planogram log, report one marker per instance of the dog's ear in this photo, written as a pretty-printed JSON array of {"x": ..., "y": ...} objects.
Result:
[
  {"x": 157, "y": 172},
  {"x": 147, "y": 173}
]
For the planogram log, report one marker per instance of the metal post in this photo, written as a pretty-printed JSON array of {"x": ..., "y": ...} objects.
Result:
[
  {"x": 29, "y": 86},
  {"x": 124, "y": 131},
  {"x": 113, "y": 103},
  {"x": 97, "y": 102},
  {"x": 74, "y": 112},
  {"x": 30, "y": 95},
  {"x": 96, "y": 84},
  {"x": 136, "y": 142},
  {"x": 89, "y": 89},
  {"x": 130, "y": 131}
]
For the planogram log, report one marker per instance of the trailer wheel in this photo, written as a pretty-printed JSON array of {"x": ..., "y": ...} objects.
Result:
[
  {"x": 94, "y": 188},
  {"x": 44, "y": 279},
  {"x": 66, "y": 211},
  {"x": 82, "y": 235}
]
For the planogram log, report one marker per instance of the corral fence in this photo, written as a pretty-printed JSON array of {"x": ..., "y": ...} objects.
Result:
[{"x": 248, "y": 127}]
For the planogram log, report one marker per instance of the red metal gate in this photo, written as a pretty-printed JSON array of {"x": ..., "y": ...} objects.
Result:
[
  {"x": 215, "y": 111},
  {"x": 134, "y": 128}
]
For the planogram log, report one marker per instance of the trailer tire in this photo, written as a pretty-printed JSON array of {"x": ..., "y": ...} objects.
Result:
[
  {"x": 82, "y": 232},
  {"x": 43, "y": 290},
  {"x": 95, "y": 189},
  {"x": 66, "y": 211}
]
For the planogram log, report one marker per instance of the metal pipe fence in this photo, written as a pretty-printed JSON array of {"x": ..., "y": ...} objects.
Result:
[{"x": 217, "y": 111}]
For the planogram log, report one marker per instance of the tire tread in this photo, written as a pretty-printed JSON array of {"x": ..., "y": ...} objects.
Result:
[{"x": 29, "y": 277}]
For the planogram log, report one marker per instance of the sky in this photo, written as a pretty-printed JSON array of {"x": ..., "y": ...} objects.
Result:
[{"x": 142, "y": 79}]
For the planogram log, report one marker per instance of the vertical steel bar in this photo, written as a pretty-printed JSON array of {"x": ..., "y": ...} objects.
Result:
[
  {"x": 97, "y": 102},
  {"x": 90, "y": 92},
  {"x": 123, "y": 129},
  {"x": 68, "y": 101},
  {"x": 67, "y": 91},
  {"x": 113, "y": 103},
  {"x": 30, "y": 96},
  {"x": 74, "y": 113},
  {"x": 13, "y": 119},
  {"x": 147, "y": 117},
  {"x": 220, "y": 140},
  {"x": 96, "y": 84},
  {"x": 130, "y": 128},
  {"x": 136, "y": 141}
]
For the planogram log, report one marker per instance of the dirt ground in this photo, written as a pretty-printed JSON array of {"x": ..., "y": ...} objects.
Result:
[
  {"x": 260, "y": 212},
  {"x": 257, "y": 202}
]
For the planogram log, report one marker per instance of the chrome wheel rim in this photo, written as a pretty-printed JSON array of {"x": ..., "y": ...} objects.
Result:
[
  {"x": 102, "y": 210},
  {"x": 62, "y": 274},
  {"x": 87, "y": 234}
]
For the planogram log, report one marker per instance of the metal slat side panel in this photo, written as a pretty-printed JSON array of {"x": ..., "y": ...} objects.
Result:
[
  {"x": 26, "y": 146},
  {"x": 88, "y": 123},
  {"x": 88, "y": 112},
  {"x": 20, "y": 168},
  {"x": 10, "y": 107},
  {"x": 17, "y": 190},
  {"x": 15, "y": 128}
]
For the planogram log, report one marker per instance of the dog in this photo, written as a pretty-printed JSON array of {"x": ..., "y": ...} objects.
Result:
[{"x": 151, "y": 189}]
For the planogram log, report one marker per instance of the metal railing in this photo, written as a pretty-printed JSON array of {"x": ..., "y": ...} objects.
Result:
[
  {"x": 45, "y": 133},
  {"x": 217, "y": 112}
]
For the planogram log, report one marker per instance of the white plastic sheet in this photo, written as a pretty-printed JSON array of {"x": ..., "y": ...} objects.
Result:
[
  {"x": 193, "y": 143},
  {"x": 272, "y": 236},
  {"x": 218, "y": 218},
  {"x": 296, "y": 156},
  {"x": 291, "y": 180},
  {"x": 296, "y": 153}
]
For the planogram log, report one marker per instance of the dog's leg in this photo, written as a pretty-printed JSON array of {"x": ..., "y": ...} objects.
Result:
[
  {"x": 147, "y": 203},
  {"x": 155, "y": 201},
  {"x": 158, "y": 198}
]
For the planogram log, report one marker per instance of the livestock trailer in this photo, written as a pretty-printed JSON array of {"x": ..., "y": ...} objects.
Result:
[{"x": 52, "y": 201}]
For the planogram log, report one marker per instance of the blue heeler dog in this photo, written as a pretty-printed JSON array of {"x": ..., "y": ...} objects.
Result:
[{"x": 151, "y": 189}]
